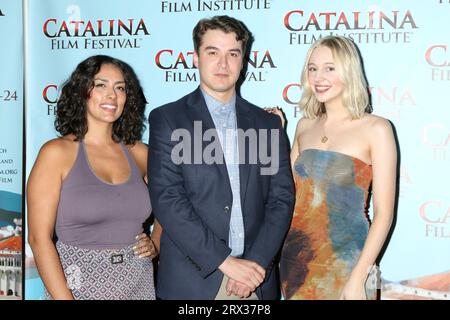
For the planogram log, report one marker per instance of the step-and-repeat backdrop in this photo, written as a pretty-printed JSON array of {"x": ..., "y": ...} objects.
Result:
[
  {"x": 11, "y": 148},
  {"x": 406, "y": 50}
]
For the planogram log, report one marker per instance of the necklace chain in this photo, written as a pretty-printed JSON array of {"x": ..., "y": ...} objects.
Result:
[{"x": 324, "y": 138}]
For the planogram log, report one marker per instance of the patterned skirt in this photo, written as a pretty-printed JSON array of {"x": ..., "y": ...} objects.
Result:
[{"x": 106, "y": 274}]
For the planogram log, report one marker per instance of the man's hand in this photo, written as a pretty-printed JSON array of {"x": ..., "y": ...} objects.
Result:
[
  {"x": 238, "y": 289},
  {"x": 246, "y": 272}
]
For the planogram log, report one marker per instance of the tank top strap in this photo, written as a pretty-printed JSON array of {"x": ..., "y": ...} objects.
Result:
[
  {"x": 84, "y": 165},
  {"x": 82, "y": 156},
  {"x": 135, "y": 172},
  {"x": 80, "y": 171}
]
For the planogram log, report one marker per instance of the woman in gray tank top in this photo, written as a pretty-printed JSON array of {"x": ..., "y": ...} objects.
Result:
[{"x": 89, "y": 188}]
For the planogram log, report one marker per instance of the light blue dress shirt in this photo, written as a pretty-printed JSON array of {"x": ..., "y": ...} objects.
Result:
[{"x": 224, "y": 117}]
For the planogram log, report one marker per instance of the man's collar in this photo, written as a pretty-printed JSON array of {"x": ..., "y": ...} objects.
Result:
[{"x": 213, "y": 104}]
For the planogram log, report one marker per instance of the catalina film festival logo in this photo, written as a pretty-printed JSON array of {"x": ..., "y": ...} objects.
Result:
[
  {"x": 100, "y": 33},
  {"x": 436, "y": 136},
  {"x": 438, "y": 58},
  {"x": 436, "y": 216},
  {"x": 50, "y": 97},
  {"x": 178, "y": 66},
  {"x": 391, "y": 100},
  {"x": 366, "y": 26}
]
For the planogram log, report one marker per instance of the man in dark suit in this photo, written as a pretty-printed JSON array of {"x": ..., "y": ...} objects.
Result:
[{"x": 223, "y": 195}]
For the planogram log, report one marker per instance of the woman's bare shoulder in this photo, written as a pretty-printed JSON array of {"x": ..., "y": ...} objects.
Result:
[
  {"x": 139, "y": 151},
  {"x": 376, "y": 128},
  {"x": 59, "y": 152},
  {"x": 378, "y": 123},
  {"x": 59, "y": 146}
]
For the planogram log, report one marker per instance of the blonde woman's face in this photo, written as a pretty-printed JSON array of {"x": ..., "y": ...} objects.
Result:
[{"x": 325, "y": 82}]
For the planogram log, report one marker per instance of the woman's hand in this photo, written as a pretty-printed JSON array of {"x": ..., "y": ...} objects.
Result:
[
  {"x": 354, "y": 290},
  {"x": 278, "y": 112},
  {"x": 145, "y": 246}
]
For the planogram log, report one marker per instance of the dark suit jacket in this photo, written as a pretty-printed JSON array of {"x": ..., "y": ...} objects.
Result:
[{"x": 193, "y": 202}]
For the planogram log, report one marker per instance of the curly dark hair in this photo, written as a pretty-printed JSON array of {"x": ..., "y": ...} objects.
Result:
[{"x": 71, "y": 107}]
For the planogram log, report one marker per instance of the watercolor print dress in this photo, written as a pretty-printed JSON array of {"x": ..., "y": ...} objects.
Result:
[{"x": 329, "y": 225}]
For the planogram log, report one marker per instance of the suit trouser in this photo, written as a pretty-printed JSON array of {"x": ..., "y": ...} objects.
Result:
[{"x": 222, "y": 294}]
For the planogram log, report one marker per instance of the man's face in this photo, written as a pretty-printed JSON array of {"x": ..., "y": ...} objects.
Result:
[{"x": 219, "y": 60}]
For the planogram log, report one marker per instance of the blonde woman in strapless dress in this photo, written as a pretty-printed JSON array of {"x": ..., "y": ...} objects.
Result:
[{"x": 340, "y": 150}]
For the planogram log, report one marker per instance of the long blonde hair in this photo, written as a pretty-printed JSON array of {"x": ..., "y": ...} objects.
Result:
[{"x": 355, "y": 96}]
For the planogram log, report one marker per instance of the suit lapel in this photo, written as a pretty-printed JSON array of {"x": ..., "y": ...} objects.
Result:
[
  {"x": 198, "y": 111},
  {"x": 244, "y": 122}
]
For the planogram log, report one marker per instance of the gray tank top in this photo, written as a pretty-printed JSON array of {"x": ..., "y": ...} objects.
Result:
[{"x": 94, "y": 214}]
